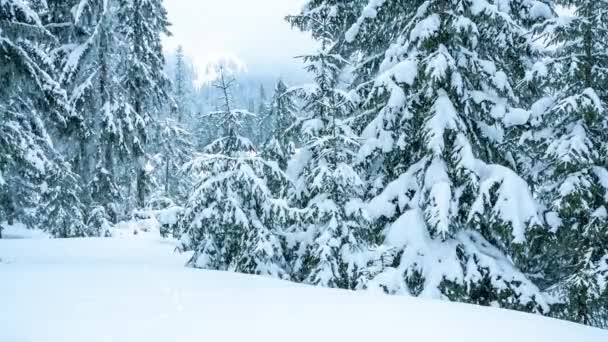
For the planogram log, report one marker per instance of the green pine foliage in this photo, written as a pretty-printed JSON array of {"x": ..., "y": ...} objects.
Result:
[
  {"x": 174, "y": 150},
  {"x": 232, "y": 220},
  {"x": 61, "y": 212},
  {"x": 281, "y": 145},
  {"x": 573, "y": 141},
  {"x": 32, "y": 103},
  {"x": 141, "y": 23},
  {"x": 69, "y": 128},
  {"x": 328, "y": 188},
  {"x": 436, "y": 102}
]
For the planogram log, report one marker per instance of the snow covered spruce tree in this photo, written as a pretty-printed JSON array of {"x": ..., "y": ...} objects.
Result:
[
  {"x": 263, "y": 125},
  {"x": 30, "y": 102},
  {"x": 88, "y": 57},
  {"x": 327, "y": 186},
  {"x": 182, "y": 87},
  {"x": 61, "y": 213},
  {"x": 280, "y": 147},
  {"x": 141, "y": 24},
  {"x": 232, "y": 220},
  {"x": 73, "y": 24},
  {"x": 172, "y": 143},
  {"x": 24, "y": 143},
  {"x": 105, "y": 194},
  {"x": 174, "y": 150},
  {"x": 573, "y": 134},
  {"x": 437, "y": 78}
]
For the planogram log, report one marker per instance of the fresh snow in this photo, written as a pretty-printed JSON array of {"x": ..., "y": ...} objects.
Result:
[
  {"x": 516, "y": 117},
  {"x": 24, "y": 9},
  {"x": 127, "y": 289},
  {"x": 19, "y": 231},
  {"x": 369, "y": 12},
  {"x": 426, "y": 28}
]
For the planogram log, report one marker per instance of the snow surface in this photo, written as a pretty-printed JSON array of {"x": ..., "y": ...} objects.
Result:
[
  {"x": 126, "y": 289},
  {"x": 19, "y": 231}
]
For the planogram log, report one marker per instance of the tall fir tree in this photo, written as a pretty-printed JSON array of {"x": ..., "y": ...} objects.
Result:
[
  {"x": 73, "y": 24},
  {"x": 87, "y": 63},
  {"x": 282, "y": 124},
  {"x": 172, "y": 143},
  {"x": 141, "y": 24},
  {"x": 232, "y": 220},
  {"x": 572, "y": 134},
  {"x": 61, "y": 212},
  {"x": 180, "y": 85},
  {"x": 31, "y": 104},
  {"x": 265, "y": 119},
  {"x": 174, "y": 150},
  {"x": 263, "y": 100},
  {"x": 437, "y": 85},
  {"x": 327, "y": 186}
]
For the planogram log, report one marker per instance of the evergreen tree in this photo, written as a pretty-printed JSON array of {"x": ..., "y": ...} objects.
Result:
[
  {"x": 180, "y": 85},
  {"x": 141, "y": 23},
  {"x": 264, "y": 126},
  {"x": 206, "y": 129},
  {"x": 262, "y": 96},
  {"x": 573, "y": 136},
  {"x": 263, "y": 123},
  {"x": 328, "y": 187},
  {"x": 61, "y": 212},
  {"x": 251, "y": 105},
  {"x": 99, "y": 221},
  {"x": 175, "y": 148},
  {"x": 88, "y": 62},
  {"x": 73, "y": 23},
  {"x": 30, "y": 102},
  {"x": 232, "y": 220},
  {"x": 437, "y": 79},
  {"x": 282, "y": 121},
  {"x": 186, "y": 97},
  {"x": 106, "y": 197}
]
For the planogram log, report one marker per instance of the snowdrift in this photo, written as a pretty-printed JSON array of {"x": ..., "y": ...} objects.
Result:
[{"x": 136, "y": 290}]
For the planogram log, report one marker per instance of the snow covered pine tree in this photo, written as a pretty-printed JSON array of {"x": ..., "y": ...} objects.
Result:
[
  {"x": 141, "y": 23},
  {"x": 436, "y": 78},
  {"x": 232, "y": 220},
  {"x": 281, "y": 145},
  {"x": 180, "y": 87},
  {"x": 174, "y": 150},
  {"x": 87, "y": 58},
  {"x": 327, "y": 186},
  {"x": 30, "y": 102},
  {"x": 573, "y": 133}
]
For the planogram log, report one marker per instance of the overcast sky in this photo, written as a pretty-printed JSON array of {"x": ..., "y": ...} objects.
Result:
[{"x": 252, "y": 30}]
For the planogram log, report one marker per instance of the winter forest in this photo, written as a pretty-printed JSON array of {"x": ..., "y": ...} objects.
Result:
[{"x": 442, "y": 149}]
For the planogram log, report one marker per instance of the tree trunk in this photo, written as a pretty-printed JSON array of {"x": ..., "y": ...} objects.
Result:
[
  {"x": 141, "y": 187},
  {"x": 10, "y": 215},
  {"x": 84, "y": 161},
  {"x": 167, "y": 162},
  {"x": 129, "y": 200}
]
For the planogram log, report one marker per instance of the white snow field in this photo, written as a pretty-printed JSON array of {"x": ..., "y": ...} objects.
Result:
[{"x": 137, "y": 290}]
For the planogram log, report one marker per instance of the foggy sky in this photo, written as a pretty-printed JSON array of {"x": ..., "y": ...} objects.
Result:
[{"x": 252, "y": 30}]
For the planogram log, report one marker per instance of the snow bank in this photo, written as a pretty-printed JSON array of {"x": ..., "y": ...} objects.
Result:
[
  {"x": 147, "y": 224},
  {"x": 137, "y": 290},
  {"x": 57, "y": 253},
  {"x": 20, "y": 231}
]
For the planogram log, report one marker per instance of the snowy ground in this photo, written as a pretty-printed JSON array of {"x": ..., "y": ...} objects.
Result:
[{"x": 136, "y": 289}]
